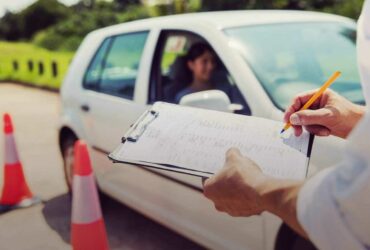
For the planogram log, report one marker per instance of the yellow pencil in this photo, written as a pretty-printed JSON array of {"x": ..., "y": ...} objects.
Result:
[{"x": 315, "y": 96}]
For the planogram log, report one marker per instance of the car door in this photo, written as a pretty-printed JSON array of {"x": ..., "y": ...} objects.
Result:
[{"x": 111, "y": 83}]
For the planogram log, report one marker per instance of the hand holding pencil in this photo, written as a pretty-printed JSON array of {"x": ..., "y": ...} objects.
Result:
[
  {"x": 328, "y": 114},
  {"x": 315, "y": 96}
]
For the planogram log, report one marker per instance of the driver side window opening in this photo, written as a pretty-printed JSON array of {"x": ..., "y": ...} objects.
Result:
[{"x": 185, "y": 63}]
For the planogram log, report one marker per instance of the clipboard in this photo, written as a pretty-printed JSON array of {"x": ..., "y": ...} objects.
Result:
[
  {"x": 144, "y": 122},
  {"x": 133, "y": 135}
]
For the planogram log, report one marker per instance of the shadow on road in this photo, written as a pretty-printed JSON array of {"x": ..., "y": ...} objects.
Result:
[
  {"x": 126, "y": 228},
  {"x": 57, "y": 213}
]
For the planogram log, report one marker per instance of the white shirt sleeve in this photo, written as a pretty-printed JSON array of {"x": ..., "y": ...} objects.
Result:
[{"x": 334, "y": 206}]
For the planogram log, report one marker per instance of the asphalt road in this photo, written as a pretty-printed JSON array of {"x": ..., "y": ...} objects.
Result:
[{"x": 47, "y": 225}]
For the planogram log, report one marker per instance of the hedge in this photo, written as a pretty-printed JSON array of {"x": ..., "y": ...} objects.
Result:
[{"x": 23, "y": 62}]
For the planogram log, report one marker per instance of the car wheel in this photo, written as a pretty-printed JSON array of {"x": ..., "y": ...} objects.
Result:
[
  {"x": 288, "y": 239},
  {"x": 68, "y": 158}
]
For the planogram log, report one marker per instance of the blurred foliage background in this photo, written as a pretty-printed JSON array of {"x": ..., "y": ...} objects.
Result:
[
  {"x": 54, "y": 26},
  {"x": 49, "y": 32}
]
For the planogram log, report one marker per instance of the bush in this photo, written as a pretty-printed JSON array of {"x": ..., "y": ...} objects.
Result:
[
  {"x": 54, "y": 26},
  {"x": 68, "y": 34},
  {"x": 349, "y": 8},
  {"x": 27, "y": 63}
]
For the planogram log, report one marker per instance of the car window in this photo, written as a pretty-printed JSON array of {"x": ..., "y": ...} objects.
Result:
[
  {"x": 93, "y": 72},
  {"x": 121, "y": 64},
  {"x": 175, "y": 46},
  {"x": 173, "y": 75}
]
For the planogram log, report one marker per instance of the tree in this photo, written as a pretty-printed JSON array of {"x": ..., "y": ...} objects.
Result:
[
  {"x": 36, "y": 17},
  {"x": 10, "y": 27},
  {"x": 42, "y": 14},
  {"x": 211, "y": 5},
  {"x": 125, "y": 3}
]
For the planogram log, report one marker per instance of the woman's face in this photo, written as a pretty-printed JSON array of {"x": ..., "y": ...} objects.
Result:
[{"x": 203, "y": 66}]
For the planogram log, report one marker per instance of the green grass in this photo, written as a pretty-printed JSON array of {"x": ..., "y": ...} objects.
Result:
[{"x": 23, "y": 54}]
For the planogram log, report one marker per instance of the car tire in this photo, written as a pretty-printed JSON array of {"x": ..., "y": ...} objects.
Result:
[
  {"x": 68, "y": 158},
  {"x": 287, "y": 239}
]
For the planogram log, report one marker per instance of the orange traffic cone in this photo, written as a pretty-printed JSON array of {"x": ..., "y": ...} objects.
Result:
[
  {"x": 15, "y": 193},
  {"x": 88, "y": 230}
]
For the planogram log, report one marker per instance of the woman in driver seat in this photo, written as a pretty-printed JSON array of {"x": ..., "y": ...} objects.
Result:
[{"x": 200, "y": 62}]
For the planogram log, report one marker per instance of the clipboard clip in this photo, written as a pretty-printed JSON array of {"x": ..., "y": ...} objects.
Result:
[{"x": 139, "y": 127}]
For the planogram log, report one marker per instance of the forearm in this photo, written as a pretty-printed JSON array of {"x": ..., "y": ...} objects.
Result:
[{"x": 280, "y": 198}]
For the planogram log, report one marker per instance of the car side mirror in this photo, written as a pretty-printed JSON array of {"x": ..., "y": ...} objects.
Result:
[{"x": 210, "y": 99}]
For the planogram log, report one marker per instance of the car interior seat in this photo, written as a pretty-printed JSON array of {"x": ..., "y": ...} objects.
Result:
[{"x": 177, "y": 79}]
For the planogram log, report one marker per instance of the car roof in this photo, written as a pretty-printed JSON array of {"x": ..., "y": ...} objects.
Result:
[
  {"x": 224, "y": 19},
  {"x": 227, "y": 19}
]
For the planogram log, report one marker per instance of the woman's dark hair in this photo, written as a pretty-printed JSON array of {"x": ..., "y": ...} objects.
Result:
[
  {"x": 198, "y": 49},
  {"x": 185, "y": 76}
]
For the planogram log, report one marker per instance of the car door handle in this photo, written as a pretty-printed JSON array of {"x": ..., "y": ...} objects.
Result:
[{"x": 85, "y": 107}]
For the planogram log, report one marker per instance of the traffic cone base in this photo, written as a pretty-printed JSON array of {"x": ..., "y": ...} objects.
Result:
[
  {"x": 23, "y": 204},
  {"x": 89, "y": 236},
  {"x": 15, "y": 186}
]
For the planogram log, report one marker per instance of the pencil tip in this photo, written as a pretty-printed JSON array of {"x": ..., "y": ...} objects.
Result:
[{"x": 282, "y": 131}]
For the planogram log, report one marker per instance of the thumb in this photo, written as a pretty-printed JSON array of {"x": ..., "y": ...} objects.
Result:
[
  {"x": 310, "y": 117},
  {"x": 232, "y": 152},
  {"x": 204, "y": 179}
]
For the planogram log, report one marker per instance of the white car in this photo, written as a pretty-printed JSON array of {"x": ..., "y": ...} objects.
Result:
[{"x": 264, "y": 59}]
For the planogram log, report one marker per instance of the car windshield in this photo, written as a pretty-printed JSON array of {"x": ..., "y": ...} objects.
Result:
[{"x": 292, "y": 58}]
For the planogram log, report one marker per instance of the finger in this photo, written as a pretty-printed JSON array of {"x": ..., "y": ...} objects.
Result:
[
  {"x": 208, "y": 182},
  {"x": 311, "y": 117},
  {"x": 289, "y": 111},
  {"x": 301, "y": 99},
  {"x": 297, "y": 130},
  {"x": 318, "y": 130},
  {"x": 232, "y": 153},
  {"x": 234, "y": 213},
  {"x": 204, "y": 180},
  {"x": 298, "y": 103},
  {"x": 220, "y": 208},
  {"x": 304, "y": 97},
  {"x": 207, "y": 191}
]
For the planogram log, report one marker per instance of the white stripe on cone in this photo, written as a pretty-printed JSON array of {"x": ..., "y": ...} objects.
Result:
[
  {"x": 85, "y": 204},
  {"x": 11, "y": 154}
]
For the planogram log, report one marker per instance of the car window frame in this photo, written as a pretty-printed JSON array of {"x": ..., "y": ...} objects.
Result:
[
  {"x": 111, "y": 38},
  {"x": 155, "y": 91}
]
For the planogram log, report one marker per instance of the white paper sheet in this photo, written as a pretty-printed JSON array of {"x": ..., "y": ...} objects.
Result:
[{"x": 197, "y": 139}]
